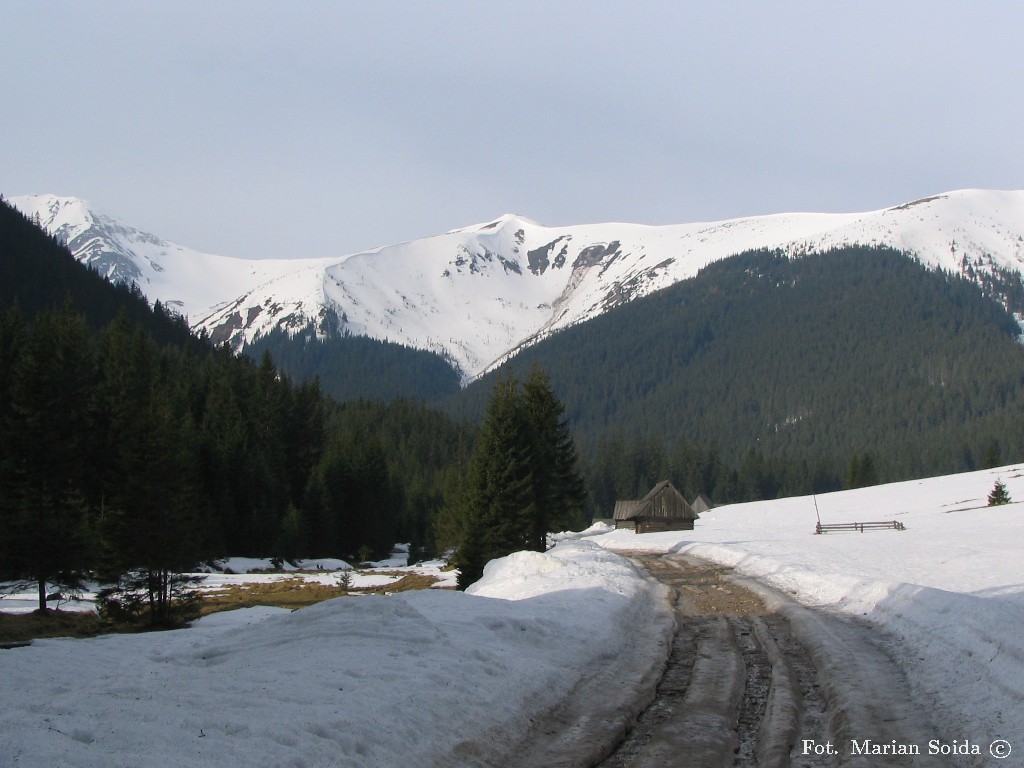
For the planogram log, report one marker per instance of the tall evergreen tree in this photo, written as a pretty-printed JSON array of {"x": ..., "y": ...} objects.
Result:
[
  {"x": 44, "y": 453},
  {"x": 149, "y": 526},
  {"x": 862, "y": 472},
  {"x": 558, "y": 486},
  {"x": 522, "y": 477},
  {"x": 498, "y": 503}
]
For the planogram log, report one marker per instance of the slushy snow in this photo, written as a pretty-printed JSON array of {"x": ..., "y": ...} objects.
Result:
[
  {"x": 440, "y": 677},
  {"x": 947, "y": 593}
]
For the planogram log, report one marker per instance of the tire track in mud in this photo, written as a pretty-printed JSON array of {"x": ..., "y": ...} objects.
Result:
[{"x": 752, "y": 675}]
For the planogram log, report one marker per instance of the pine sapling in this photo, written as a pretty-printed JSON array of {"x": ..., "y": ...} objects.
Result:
[{"x": 998, "y": 495}]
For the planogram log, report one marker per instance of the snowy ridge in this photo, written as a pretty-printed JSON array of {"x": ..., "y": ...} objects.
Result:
[
  {"x": 478, "y": 294},
  {"x": 191, "y": 282}
]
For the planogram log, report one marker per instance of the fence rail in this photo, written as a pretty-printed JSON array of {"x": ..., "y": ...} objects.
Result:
[{"x": 895, "y": 525}]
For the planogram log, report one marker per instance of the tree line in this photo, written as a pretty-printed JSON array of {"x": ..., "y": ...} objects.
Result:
[
  {"x": 130, "y": 450},
  {"x": 357, "y": 367},
  {"x": 133, "y": 450},
  {"x": 773, "y": 373},
  {"x": 122, "y": 457}
]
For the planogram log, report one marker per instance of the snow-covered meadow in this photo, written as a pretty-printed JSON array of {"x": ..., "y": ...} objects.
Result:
[
  {"x": 242, "y": 571},
  {"x": 412, "y": 678},
  {"x": 429, "y": 678},
  {"x": 948, "y": 591}
]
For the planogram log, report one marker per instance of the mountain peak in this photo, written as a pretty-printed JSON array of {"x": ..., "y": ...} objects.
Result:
[
  {"x": 477, "y": 294},
  {"x": 504, "y": 221},
  {"x": 55, "y": 211}
]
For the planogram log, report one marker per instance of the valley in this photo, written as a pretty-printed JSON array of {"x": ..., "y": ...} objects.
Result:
[
  {"x": 512, "y": 385},
  {"x": 551, "y": 648}
]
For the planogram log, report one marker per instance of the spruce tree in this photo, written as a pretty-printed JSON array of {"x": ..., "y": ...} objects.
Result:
[
  {"x": 44, "y": 453},
  {"x": 522, "y": 477},
  {"x": 558, "y": 486},
  {"x": 993, "y": 457},
  {"x": 150, "y": 528},
  {"x": 998, "y": 495},
  {"x": 498, "y": 503}
]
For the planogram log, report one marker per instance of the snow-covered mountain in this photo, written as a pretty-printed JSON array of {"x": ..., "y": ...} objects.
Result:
[
  {"x": 190, "y": 282},
  {"x": 477, "y": 295}
]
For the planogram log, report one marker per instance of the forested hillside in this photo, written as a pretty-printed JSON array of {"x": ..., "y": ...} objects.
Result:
[
  {"x": 354, "y": 367},
  {"x": 37, "y": 275},
  {"x": 129, "y": 446},
  {"x": 766, "y": 375},
  {"x": 762, "y": 376}
]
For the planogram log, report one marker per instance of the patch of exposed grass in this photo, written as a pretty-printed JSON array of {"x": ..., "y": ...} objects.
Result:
[
  {"x": 296, "y": 593},
  {"x": 288, "y": 593},
  {"x": 16, "y": 627},
  {"x": 292, "y": 593},
  {"x": 409, "y": 581}
]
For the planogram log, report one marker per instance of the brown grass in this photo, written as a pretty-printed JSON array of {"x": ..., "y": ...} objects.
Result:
[
  {"x": 295, "y": 593},
  {"x": 15, "y": 627},
  {"x": 289, "y": 593},
  {"x": 292, "y": 593}
]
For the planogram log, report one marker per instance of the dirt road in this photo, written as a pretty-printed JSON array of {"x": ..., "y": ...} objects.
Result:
[{"x": 753, "y": 679}]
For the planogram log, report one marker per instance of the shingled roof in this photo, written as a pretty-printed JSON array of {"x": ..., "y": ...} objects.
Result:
[
  {"x": 662, "y": 501},
  {"x": 626, "y": 510}
]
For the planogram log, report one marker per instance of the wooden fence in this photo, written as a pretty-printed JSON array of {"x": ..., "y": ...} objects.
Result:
[{"x": 895, "y": 525}]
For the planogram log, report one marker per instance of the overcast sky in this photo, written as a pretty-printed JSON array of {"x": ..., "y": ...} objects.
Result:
[{"x": 262, "y": 129}]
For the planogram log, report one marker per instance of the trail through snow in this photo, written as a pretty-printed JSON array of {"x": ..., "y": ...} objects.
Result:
[{"x": 440, "y": 678}]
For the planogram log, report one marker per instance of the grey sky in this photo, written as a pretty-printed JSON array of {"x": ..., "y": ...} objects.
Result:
[{"x": 321, "y": 128}]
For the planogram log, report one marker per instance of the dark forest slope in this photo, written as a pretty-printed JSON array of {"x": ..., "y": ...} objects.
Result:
[
  {"x": 358, "y": 367},
  {"x": 815, "y": 360},
  {"x": 145, "y": 436},
  {"x": 37, "y": 273}
]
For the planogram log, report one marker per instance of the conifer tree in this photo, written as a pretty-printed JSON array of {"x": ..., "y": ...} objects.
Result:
[
  {"x": 497, "y": 497},
  {"x": 862, "y": 472},
  {"x": 993, "y": 457},
  {"x": 149, "y": 527},
  {"x": 522, "y": 476},
  {"x": 558, "y": 486},
  {"x": 998, "y": 495},
  {"x": 43, "y": 455}
]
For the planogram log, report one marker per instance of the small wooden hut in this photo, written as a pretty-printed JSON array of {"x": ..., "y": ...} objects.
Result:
[
  {"x": 663, "y": 509},
  {"x": 701, "y": 504}
]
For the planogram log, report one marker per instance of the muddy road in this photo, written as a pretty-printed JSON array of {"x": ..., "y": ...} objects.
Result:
[{"x": 752, "y": 679}]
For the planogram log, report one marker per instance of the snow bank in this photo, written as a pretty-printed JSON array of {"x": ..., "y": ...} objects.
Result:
[
  {"x": 406, "y": 679},
  {"x": 571, "y": 565},
  {"x": 596, "y": 529},
  {"x": 948, "y": 591},
  {"x": 439, "y": 677}
]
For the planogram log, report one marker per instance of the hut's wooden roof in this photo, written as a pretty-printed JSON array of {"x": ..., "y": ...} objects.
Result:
[
  {"x": 662, "y": 500},
  {"x": 702, "y": 503},
  {"x": 625, "y": 510}
]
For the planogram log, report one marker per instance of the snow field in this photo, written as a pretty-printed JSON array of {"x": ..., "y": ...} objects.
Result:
[
  {"x": 443, "y": 678},
  {"x": 948, "y": 592},
  {"x": 411, "y": 678}
]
